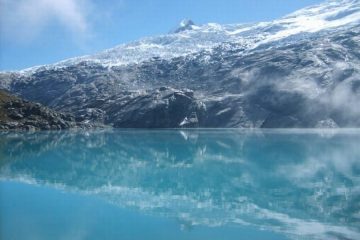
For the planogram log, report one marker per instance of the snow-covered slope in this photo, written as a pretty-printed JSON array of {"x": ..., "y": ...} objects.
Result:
[
  {"x": 302, "y": 70},
  {"x": 190, "y": 38}
]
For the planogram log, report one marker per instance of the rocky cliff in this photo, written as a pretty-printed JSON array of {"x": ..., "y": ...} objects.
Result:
[
  {"x": 19, "y": 114},
  {"x": 291, "y": 72}
]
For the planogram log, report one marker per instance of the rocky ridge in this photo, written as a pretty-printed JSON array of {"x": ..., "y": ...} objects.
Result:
[
  {"x": 286, "y": 73},
  {"x": 18, "y": 114}
]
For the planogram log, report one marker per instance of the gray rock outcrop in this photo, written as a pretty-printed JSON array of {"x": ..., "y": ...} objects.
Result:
[
  {"x": 18, "y": 114},
  {"x": 306, "y": 80}
]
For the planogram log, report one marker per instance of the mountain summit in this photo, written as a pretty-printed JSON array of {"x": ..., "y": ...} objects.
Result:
[
  {"x": 331, "y": 15},
  {"x": 184, "y": 25},
  {"x": 302, "y": 70}
]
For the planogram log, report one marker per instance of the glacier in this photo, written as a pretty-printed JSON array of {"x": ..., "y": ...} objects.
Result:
[
  {"x": 189, "y": 38},
  {"x": 302, "y": 70}
]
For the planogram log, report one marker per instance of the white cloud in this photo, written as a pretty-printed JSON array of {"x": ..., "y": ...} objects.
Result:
[{"x": 24, "y": 20}]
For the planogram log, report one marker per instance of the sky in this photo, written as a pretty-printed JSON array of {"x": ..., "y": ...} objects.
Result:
[{"x": 36, "y": 32}]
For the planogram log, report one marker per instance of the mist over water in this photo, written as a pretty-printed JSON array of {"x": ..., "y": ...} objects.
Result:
[{"x": 273, "y": 184}]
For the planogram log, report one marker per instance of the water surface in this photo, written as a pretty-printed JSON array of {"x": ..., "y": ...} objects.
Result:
[{"x": 180, "y": 184}]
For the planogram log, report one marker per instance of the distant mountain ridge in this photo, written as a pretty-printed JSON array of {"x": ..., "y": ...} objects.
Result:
[
  {"x": 302, "y": 70},
  {"x": 329, "y": 16}
]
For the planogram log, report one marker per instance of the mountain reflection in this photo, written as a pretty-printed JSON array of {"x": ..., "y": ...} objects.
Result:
[{"x": 299, "y": 183}]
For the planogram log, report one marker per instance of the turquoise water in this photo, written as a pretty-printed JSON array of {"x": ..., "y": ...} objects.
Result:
[{"x": 180, "y": 184}]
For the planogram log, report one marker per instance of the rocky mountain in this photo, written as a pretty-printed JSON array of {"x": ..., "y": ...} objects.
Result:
[
  {"x": 18, "y": 114},
  {"x": 302, "y": 70}
]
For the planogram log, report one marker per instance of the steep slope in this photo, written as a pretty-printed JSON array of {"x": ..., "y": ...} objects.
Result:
[
  {"x": 18, "y": 114},
  {"x": 299, "y": 71},
  {"x": 190, "y": 38}
]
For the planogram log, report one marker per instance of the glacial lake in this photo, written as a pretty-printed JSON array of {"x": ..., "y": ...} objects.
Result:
[{"x": 180, "y": 184}]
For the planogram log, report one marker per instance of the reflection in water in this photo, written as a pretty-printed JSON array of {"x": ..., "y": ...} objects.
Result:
[{"x": 300, "y": 183}]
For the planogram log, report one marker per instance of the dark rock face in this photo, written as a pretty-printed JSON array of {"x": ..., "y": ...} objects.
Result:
[
  {"x": 18, "y": 114},
  {"x": 161, "y": 108},
  {"x": 310, "y": 81}
]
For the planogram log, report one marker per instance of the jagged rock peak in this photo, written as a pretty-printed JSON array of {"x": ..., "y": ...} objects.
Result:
[{"x": 185, "y": 24}]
